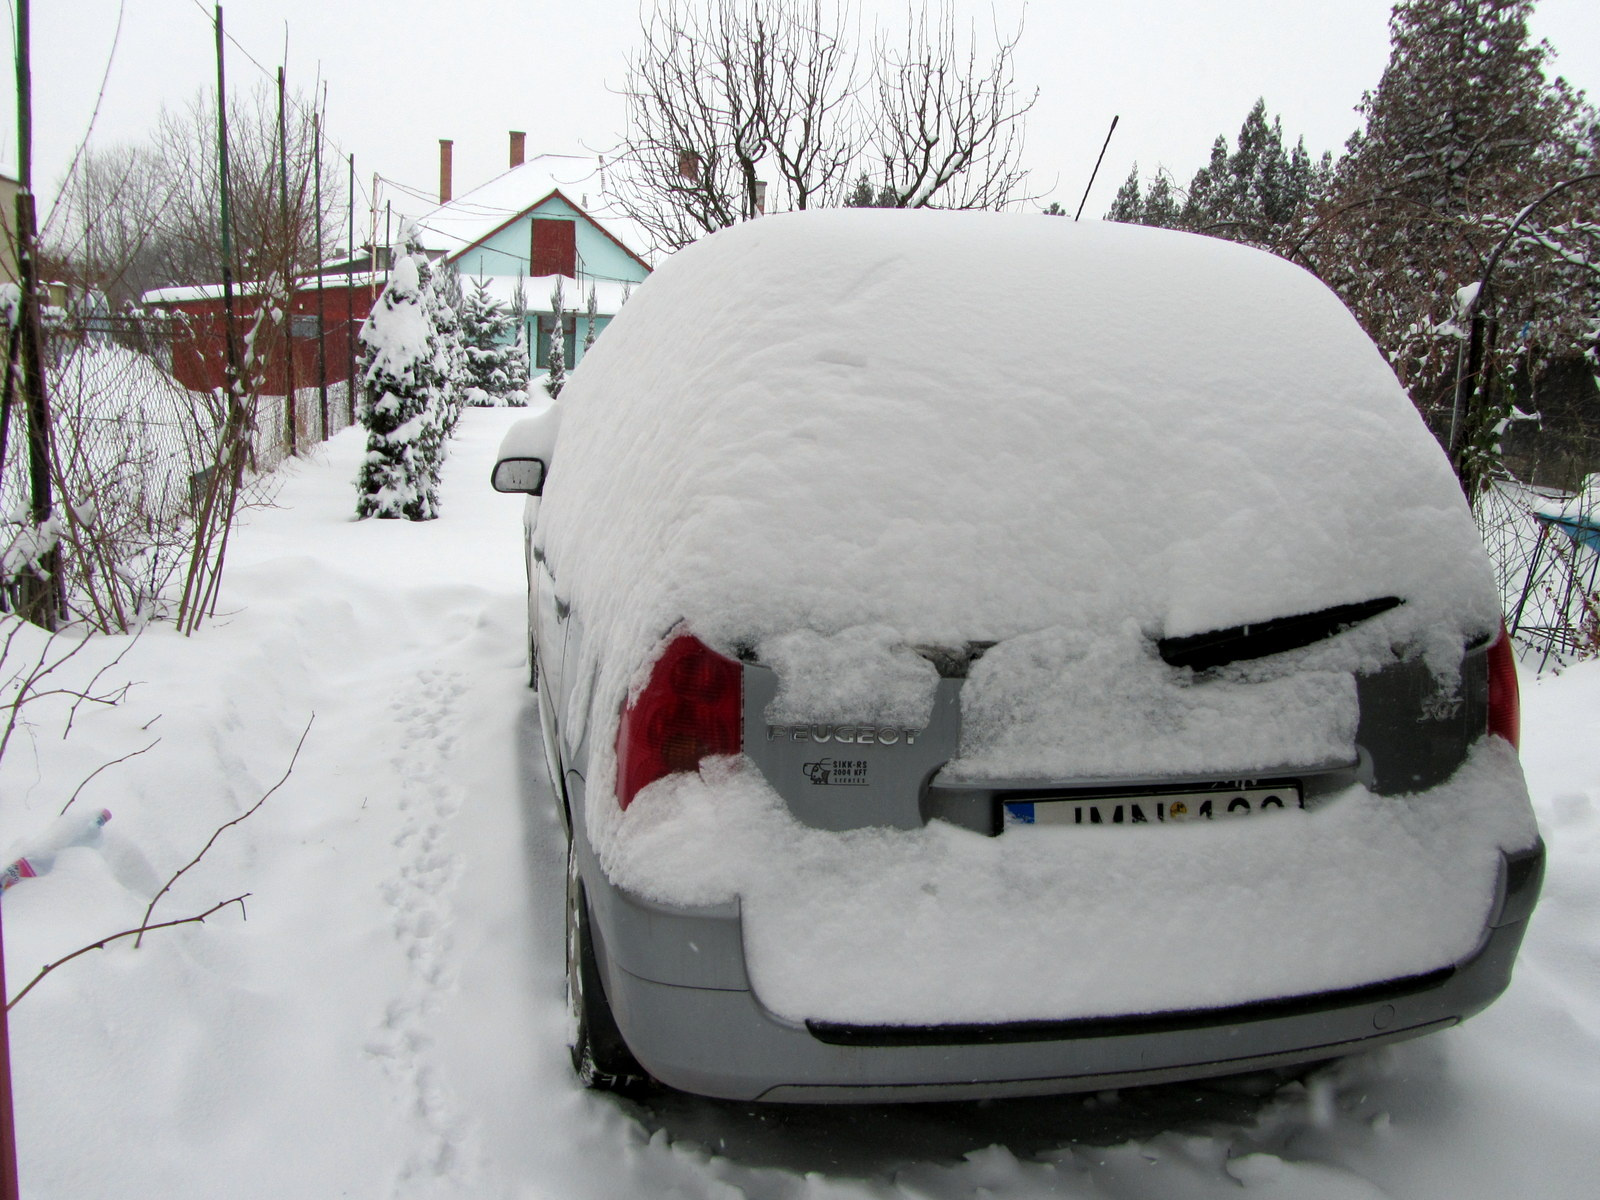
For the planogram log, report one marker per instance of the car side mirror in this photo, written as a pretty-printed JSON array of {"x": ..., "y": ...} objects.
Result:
[
  {"x": 518, "y": 475},
  {"x": 524, "y": 458}
]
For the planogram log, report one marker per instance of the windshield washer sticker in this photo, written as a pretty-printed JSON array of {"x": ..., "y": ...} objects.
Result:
[
  {"x": 859, "y": 735},
  {"x": 831, "y": 772}
]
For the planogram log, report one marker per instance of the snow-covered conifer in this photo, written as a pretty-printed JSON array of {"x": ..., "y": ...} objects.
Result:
[
  {"x": 396, "y": 478},
  {"x": 556, "y": 372},
  {"x": 519, "y": 360},
  {"x": 1127, "y": 207},
  {"x": 450, "y": 366},
  {"x": 1463, "y": 131},
  {"x": 488, "y": 342},
  {"x": 591, "y": 318}
]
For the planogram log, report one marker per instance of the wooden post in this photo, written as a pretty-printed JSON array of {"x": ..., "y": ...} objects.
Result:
[
  {"x": 40, "y": 586},
  {"x": 9, "y": 1187}
]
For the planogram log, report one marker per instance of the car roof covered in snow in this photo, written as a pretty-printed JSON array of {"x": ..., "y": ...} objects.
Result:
[{"x": 966, "y": 426}]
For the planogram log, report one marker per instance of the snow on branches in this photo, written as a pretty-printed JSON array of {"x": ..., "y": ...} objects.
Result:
[
  {"x": 400, "y": 403},
  {"x": 492, "y": 351}
]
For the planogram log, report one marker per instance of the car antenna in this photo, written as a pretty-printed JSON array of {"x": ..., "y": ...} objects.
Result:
[{"x": 1096, "y": 170}]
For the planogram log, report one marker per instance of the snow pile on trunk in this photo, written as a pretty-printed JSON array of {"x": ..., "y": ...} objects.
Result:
[
  {"x": 860, "y": 674},
  {"x": 1070, "y": 703}
]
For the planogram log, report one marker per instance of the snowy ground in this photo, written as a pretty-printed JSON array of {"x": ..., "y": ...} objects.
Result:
[{"x": 389, "y": 1020}]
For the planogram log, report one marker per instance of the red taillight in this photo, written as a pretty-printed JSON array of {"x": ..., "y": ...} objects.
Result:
[
  {"x": 1505, "y": 701},
  {"x": 690, "y": 709}
]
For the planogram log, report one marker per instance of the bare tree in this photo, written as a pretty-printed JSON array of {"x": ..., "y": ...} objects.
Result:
[
  {"x": 949, "y": 124},
  {"x": 740, "y": 107},
  {"x": 149, "y": 475},
  {"x": 134, "y": 217},
  {"x": 719, "y": 92}
]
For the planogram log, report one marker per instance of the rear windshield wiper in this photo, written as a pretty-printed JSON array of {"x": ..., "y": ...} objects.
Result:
[{"x": 1239, "y": 643}]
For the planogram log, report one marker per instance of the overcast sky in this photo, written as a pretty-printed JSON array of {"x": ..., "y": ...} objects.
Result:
[{"x": 401, "y": 74}]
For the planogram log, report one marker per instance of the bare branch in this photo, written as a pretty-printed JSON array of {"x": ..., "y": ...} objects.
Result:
[
  {"x": 740, "y": 107},
  {"x": 197, "y": 919},
  {"x": 212, "y": 840},
  {"x": 107, "y": 766}
]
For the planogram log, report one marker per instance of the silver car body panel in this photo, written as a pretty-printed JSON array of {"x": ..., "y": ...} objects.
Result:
[{"x": 678, "y": 988}]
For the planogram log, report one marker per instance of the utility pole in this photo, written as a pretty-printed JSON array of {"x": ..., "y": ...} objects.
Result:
[
  {"x": 39, "y": 599},
  {"x": 350, "y": 294},
  {"x": 287, "y": 280},
  {"x": 228, "y": 470},
  {"x": 39, "y": 585},
  {"x": 322, "y": 309}
]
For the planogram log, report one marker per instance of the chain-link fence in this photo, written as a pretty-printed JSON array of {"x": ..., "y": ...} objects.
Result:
[
  {"x": 1545, "y": 547},
  {"x": 134, "y": 457}
]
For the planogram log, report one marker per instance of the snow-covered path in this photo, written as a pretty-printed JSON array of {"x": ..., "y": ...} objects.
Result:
[{"x": 389, "y": 1020}]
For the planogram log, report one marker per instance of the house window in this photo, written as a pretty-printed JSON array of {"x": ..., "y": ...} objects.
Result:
[
  {"x": 569, "y": 341},
  {"x": 555, "y": 248},
  {"x": 304, "y": 325}
]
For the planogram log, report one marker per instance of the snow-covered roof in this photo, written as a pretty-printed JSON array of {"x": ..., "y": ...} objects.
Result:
[
  {"x": 609, "y": 294},
  {"x": 476, "y": 215},
  {"x": 213, "y": 291}
]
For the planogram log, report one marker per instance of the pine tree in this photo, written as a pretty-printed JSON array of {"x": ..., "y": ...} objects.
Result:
[
  {"x": 591, "y": 317},
  {"x": 1160, "y": 205},
  {"x": 864, "y": 195},
  {"x": 518, "y": 361},
  {"x": 1462, "y": 131},
  {"x": 488, "y": 344},
  {"x": 445, "y": 302},
  {"x": 1256, "y": 192},
  {"x": 556, "y": 375},
  {"x": 1127, "y": 206},
  {"x": 397, "y": 478},
  {"x": 435, "y": 424}
]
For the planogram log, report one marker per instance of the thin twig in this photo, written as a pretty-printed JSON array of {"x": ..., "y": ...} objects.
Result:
[
  {"x": 198, "y": 918},
  {"x": 107, "y": 699},
  {"x": 227, "y": 825},
  {"x": 104, "y": 766}
]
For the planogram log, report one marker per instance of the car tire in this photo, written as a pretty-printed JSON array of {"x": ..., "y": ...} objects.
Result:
[{"x": 600, "y": 1057}]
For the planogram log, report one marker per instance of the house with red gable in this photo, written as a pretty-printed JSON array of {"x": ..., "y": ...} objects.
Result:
[
  {"x": 528, "y": 228},
  {"x": 533, "y": 226}
]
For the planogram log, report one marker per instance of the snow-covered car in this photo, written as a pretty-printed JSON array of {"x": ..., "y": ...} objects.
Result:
[{"x": 981, "y": 654}]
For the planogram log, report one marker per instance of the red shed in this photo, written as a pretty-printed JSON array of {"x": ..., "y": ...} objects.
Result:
[{"x": 199, "y": 353}]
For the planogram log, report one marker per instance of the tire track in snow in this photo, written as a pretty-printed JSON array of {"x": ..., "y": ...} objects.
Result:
[{"x": 425, "y": 731}]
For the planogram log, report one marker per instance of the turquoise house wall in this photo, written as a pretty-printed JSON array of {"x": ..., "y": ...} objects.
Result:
[
  {"x": 539, "y": 336},
  {"x": 506, "y": 252}
]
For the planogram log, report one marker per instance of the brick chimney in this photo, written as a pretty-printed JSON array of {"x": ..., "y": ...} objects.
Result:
[
  {"x": 446, "y": 147},
  {"x": 518, "y": 147}
]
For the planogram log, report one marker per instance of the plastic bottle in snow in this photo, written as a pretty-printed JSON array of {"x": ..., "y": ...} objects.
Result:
[{"x": 79, "y": 829}]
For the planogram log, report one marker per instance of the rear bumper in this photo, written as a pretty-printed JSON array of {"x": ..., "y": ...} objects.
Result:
[{"x": 677, "y": 986}]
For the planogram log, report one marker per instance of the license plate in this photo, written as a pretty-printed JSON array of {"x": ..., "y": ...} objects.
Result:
[{"x": 1155, "y": 808}]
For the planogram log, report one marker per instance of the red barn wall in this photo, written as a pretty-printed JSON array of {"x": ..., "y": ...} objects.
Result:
[{"x": 199, "y": 351}]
